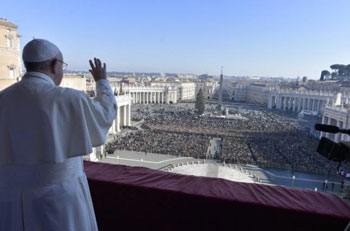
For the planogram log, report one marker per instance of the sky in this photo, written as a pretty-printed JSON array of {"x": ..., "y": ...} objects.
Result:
[{"x": 277, "y": 38}]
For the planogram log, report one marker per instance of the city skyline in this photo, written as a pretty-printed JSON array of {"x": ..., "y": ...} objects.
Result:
[{"x": 249, "y": 38}]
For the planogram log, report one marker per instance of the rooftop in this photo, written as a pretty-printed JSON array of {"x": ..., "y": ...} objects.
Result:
[{"x": 4, "y": 22}]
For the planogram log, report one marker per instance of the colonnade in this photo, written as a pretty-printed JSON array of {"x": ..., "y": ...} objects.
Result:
[
  {"x": 298, "y": 102},
  {"x": 146, "y": 97},
  {"x": 153, "y": 95},
  {"x": 123, "y": 118}
]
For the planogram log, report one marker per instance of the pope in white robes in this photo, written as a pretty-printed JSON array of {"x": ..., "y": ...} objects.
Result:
[{"x": 44, "y": 132}]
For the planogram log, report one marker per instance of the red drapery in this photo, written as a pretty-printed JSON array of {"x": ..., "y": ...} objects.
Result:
[{"x": 135, "y": 198}]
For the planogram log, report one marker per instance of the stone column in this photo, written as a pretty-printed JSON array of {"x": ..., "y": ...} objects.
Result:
[
  {"x": 306, "y": 103},
  {"x": 311, "y": 102},
  {"x": 285, "y": 103},
  {"x": 167, "y": 98},
  {"x": 117, "y": 125},
  {"x": 324, "y": 121},
  {"x": 314, "y": 105},
  {"x": 124, "y": 115},
  {"x": 93, "y": 155},
  {"x": 289, "y": 104},
  {"x": 279, "y": 103},
  {"x": 99, "y": 151},
  {"x": 282, "y": 102},
  {"x": 112, "y": 129},
  {"x": 323, "y": 102},
  {"x": 128, "y": 115},
  {"x": 300, "y": 103},
  {"x": 339, "y": 136},
  {"x": 269, "y": 102}
]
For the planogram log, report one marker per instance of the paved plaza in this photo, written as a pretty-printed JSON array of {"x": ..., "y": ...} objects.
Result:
[{"x": 210, "y": 168}]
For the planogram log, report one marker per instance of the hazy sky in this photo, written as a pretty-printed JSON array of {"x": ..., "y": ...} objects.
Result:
[{"x": 286, "y": 38}]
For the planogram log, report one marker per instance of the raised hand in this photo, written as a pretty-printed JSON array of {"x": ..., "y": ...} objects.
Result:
[{"x": 98, "y": 70}]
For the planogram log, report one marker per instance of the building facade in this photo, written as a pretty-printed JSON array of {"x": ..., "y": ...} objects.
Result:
[
  {"x": 254, "y": 93},
  {"x": 186, "y": 91},
  {"x": 77, "y": 82},
  {"x": 10, "y": 59},
  {"x": 258, "y": 94},
  {"x": 10, "y": 62},
  {"x": 298, "y": 100},
  {"x": 208, "y": 88}
]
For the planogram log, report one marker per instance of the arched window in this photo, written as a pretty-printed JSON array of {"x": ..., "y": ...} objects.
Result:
[
  {"x": 11, "y": 70},
  {"x": 9, "y": 40}
]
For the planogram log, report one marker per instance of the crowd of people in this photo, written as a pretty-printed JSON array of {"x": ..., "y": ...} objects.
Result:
[
  {"x": 163, "y": 142},
  {"x": 260, "y": 136}
]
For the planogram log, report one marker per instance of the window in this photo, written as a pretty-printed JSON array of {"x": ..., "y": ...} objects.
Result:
[
  {"x": 12, "y": 73},
  {"x": 12, "y": 70},
  {"x": 9, "y": 42}
]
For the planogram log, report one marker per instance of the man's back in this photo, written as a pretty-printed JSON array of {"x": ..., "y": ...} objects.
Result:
[
  {"x": 44, "y": 132},
  {"x": 44, "y": 123}
]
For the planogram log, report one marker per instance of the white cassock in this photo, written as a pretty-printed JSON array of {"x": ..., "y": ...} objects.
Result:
[{"x": 44, "y": 132}]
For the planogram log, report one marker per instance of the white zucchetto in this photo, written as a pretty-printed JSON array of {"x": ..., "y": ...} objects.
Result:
[{"x": 39, "y": 50}]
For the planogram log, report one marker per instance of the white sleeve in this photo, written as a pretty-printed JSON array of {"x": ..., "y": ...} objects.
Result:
[{"x": 105, "y": 109}]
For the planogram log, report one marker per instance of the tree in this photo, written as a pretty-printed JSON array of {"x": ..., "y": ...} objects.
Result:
[
  {"x": 339, "y": 68},
  {"x": 304, "y": 79},
  {"x": 341, "y": 71},
  {"x": 200, "y": 102},
  {"x": 325, "y": 75}
]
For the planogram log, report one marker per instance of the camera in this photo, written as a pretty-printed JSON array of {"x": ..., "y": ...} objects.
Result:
[{"x": 337, "y": 152}]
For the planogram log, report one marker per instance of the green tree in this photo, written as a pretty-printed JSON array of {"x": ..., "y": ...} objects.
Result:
[
  {"x": 304, "y": 79},
  {"x": 325, "y": 75},
  {"x": 341, "y": 70},
  {"x": 200, "y": 102}
]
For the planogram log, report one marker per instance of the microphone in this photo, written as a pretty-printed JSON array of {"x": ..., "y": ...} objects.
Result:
[
  {"x": 331, "y": 129},
  {"x": 327, "y": 128}
]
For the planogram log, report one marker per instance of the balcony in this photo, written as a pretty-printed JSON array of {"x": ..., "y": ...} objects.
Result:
[{"x": 138, "y": 198}]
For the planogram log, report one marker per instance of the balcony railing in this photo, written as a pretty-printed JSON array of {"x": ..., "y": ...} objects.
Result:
[{"x": 138, "y": 198}]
